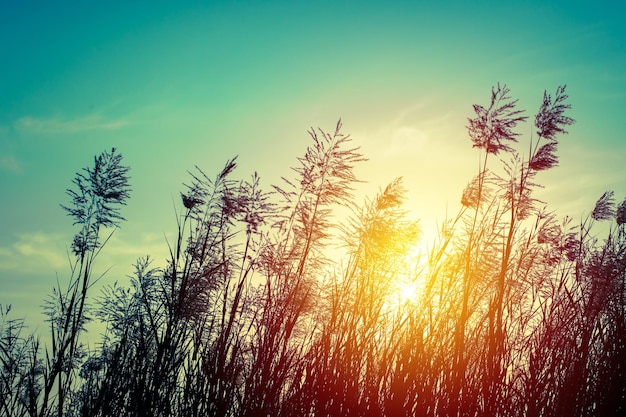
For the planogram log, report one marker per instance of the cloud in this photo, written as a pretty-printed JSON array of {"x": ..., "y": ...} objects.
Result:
[
  {"x": 584, "y": 173},
  {"x": 403, "y": 140},
  {"x": 411, "y": 133},
  {"x": 123, "y": 250},
  {"x": 43, "y": 254},
  {"x": 9, "y": 163},
  {"x": 34, "y": 252},
  {"x": 55, "y": 125}
]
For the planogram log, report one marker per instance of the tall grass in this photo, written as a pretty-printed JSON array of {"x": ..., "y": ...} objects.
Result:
[{"x": 519, "y": 313}]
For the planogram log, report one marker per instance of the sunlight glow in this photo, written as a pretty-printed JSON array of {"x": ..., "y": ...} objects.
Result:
[{"x": 408, "y": 292}]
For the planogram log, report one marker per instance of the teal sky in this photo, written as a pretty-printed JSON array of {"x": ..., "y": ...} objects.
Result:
[{"x": 195, "y": 83}]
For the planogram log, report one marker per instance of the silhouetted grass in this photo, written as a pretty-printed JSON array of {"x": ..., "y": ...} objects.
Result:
[{"x": 519, "y": 313}]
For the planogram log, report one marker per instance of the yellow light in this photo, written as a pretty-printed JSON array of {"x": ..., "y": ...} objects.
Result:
[
  {"x": 409, "y": 287},
  {"x": 408, "y": 292}
]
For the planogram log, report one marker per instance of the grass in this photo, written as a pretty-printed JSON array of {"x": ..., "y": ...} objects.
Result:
[{"x": 519, "y": 313}]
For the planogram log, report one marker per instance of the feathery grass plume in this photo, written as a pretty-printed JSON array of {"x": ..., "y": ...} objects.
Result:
[
  {"x": 545, "y": 157},
  {"x": 392, "y": 196},
  {"x": 189, "y": 201},
  {"x": 13, "y": 361},
  {"x": 550, "y": 118},
  {"x": 518, "y": 188},
  {"x": 476, "y": 192},
  {"x": 381, "y": 227},
  {"x": 327, "y": 166},
  {"x": 492, "y": 129},
  {"x": 325, "y": 177},
  {"x": 210, "y": 192},
  {"x": 605, "y": 207},
  {"x": 254, "y": 205},
  {"x": 570, "y": 243},
  {"x": 101, "y": 191},
  {"x": 549, "y": 231},
  {"x": 550, "y": 121},
  {"x": 620, "y": 215}
]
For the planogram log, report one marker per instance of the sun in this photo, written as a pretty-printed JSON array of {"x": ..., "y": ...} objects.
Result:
[
  {"x": 408, "y": 289},
  {"x": 408, "y": 292},
  {"x": 405, "y": 295}
]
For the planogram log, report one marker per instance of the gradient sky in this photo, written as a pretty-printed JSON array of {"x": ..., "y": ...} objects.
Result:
[{"x": 195, "y": 83}]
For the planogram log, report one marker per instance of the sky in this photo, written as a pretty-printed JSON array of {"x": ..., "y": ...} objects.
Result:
[{"x": 173, "y": 85}]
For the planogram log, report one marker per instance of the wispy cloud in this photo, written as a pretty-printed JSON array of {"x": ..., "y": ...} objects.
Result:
[
  {"x": 584, "y": 173},
  {"x": 124, "y": 248},
  {"x": 34, "y": 252},
  {"x": 10, "y": 163},
  {"x": 411, "y": 131},
  {"x": 44, "y": 253},
  {"x": 56, "y": 125}
]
